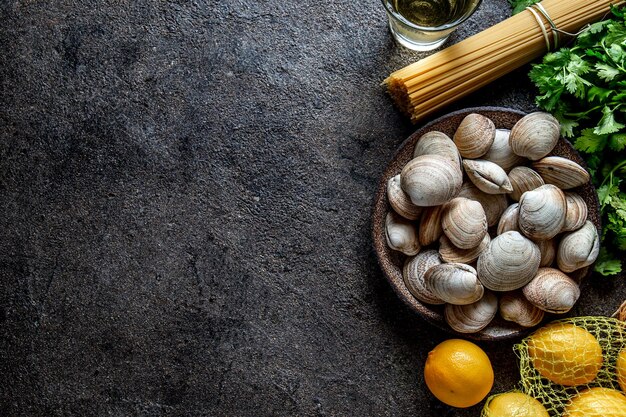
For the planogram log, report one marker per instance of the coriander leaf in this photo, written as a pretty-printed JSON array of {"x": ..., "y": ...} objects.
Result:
[
  {"x": 608, "y": 124},
  {"x": 572, "y": 78},
  {"x": 617, "y": 12},
  {"x": 521, "y": 5},
  {"x": 604, "y": 195},
  {"x": 617, "y": 142},
  {"x": 578, "y": 65},
  {"x": 618, "y": 201},
  {"x": 607, "y": 264},
  {"x": 619, "y": 204},
  {"x": 608, "y": 267},
  {"x": 594, "y": 54},
  {"x": 606, "y": 72},
  {"x": 621, "y": 213},
  {"x": 598, "y": 26},
  {"x": 550, "y": 100},
  {"x": 616, "y": 53},
  {"x": 590, "y": 142},
  {"x": 619, "y": 231},
  {"x": 599, "y": 94},
  {"x": 567, "y": 126},
  {"x": 615, "y": 37},
  {"x": 559, "y": 58},
  {"x": 575, "y": 85},
  {"x": 616, "y": 224},
  {"x": 609, "y": 192}
]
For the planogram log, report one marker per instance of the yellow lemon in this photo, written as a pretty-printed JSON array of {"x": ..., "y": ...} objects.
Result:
[
  {"x": 458, "y": 373},
  {"x": 565, "y": 354},
  {"x": 621, "y": 369},
  {"x": 514, "y": 404},
  {"x": 597, "y": 402}
]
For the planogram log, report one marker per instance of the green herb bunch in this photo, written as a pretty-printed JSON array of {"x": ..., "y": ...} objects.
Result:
[
  {"x": 520, "y": 5},
  {"x": 584, "y": 87}
]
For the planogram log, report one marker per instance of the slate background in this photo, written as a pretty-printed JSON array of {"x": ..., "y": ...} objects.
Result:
[{"x": 185, "y": 196}]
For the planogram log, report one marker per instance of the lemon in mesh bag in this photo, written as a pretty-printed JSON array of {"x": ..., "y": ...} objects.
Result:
[
  {"x": 515, "y": 404},
  {"x": 565, "y": 354},
  {"x": 621, "y": 369},
  {"x": 564, "y": 364},
  {"x": 597, "y": 402}
]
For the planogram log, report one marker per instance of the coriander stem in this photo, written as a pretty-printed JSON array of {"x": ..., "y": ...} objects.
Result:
[
  {"x": 584, "y": 113},
  {"x": 610, "y": 174}
]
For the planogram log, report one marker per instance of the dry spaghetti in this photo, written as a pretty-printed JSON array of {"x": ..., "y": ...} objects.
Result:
[{"x": 434, "y": 82}]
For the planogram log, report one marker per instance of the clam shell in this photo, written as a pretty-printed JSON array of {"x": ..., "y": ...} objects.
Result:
[
  {"x": 548, "y": 250},
  {"x": 464, "y": 222},
  {"x": 454, "y": 283},
  {"x": 437, "y": 143},
  {"x": 413, "y": 274},
  {"x": 516, "y": 308},
  {"x": 452, "y": 254},
  {"x": 472, "y": 318},
  {"x": 576, "y": 214},
  {"x": 552, "y": 291},
  {"x": 431, "y": 180},
  {"x": 562, "y": 172},
  {"x": 509, "y": 262},
  {"x": 493, "y": 204},
  {"x": 579, "y": 248},
  {"x": 400, "y": 201},
  {"x": 523, "y": 179},
  {"x": 535, "y": 135},
  {"x": 487, "y": 176},
  {"x": 430, "y": 229},
  {"x": 508, "y": 221},
  {"x": 401, "y": 234},
  {"x": 542, "y": 212},
  {"x": 474, "y": 136},
  {"x": 501, "y": 153}
]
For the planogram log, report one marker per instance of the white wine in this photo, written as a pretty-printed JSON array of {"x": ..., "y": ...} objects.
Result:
[
  {"x": 433, "y": 13},
  {"x": 423, "y": 25}
]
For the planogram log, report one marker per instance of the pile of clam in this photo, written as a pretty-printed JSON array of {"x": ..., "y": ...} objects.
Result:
[{"x": 490, "y": 223}]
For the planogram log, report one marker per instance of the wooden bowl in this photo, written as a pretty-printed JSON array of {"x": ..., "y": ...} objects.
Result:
[{"x": 391, "y": 261}]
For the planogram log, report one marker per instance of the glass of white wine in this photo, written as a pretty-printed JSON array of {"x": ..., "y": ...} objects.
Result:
[{"x": 423, "y": 25}]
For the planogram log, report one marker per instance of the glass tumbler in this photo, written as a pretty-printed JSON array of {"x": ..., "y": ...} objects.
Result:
[{"x": 423, "y": 37}]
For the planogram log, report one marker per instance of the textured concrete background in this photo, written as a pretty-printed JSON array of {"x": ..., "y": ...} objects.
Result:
[{"x": 186, "y": 189}]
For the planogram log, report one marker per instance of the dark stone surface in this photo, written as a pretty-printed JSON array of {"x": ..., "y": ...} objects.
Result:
[{"x": 185, "y": 194}]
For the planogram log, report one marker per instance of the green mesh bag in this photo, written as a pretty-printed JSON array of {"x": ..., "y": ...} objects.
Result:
[{"x": 568, "y": 357}]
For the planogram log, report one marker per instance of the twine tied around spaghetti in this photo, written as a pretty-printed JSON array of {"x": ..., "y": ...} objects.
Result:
[{"x": 537, "y": 11}]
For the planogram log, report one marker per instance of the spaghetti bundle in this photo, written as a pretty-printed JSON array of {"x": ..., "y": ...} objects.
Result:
[{"x": 434, "y": 82}]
